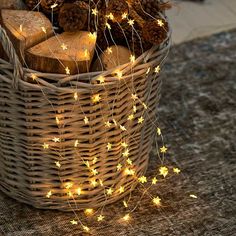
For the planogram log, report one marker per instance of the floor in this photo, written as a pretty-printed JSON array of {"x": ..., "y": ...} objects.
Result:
[{"x": 191, "y": 20}]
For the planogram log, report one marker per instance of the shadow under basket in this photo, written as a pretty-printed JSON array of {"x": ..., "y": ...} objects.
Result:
[{"x": 59, "y": 149}]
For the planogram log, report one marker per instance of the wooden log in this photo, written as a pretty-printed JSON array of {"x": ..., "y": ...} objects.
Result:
[
  {"x": 12, "y": 4},
  {"x": 25, "y": 29},
  {"x": 67, "y": 53},
  {"x": 112, "y": 57}
]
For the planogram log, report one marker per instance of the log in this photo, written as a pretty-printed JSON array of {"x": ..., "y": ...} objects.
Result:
[
  {"x": 12, "y": 4},
  {"x": 67, "y": 53},
  {"x": 112, "y": 57},
  {"x": 25, "y": 29}
]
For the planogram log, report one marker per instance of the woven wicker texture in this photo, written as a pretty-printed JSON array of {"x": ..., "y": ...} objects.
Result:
[{"x": 30, "y": 108}]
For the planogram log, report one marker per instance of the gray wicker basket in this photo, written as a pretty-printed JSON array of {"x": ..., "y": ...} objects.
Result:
[{"x": 48, "y": 148}]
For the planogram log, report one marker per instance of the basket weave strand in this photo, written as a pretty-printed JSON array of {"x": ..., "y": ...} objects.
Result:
[{"x": 28, "y": 112}]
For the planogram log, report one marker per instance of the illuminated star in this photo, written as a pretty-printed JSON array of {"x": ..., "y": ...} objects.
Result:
[
  {"x": 157, "y": 69},
  {"x": 101, "y": 79},
  {"x": 154, "y": 180},
  {"x": 141, "y": 120},
  {"x": 163, "y": 149},
  {"x": 110, "y": 191},
  {"x": 94, "y": 11},
  {"x": 79, "y": 191},
  {"x": 126, "y": 153},
  {"x": 142, "y": 179},
  {"x": 94, "y": 183},
  {"x": 131, "y": 22},
  {"x": 160, "y": 22},
  {"x": 126, "y": 217},
  {"x": 129, "y": 171},
  {"x": 67, "y": 70},
  {"x": 134, "y": 109},
  {"x": 176, "y": 170},
  {"x": 100, "y": 218},
  {"x": 121, "y": 189},
  {"x": 96, "y": 98},
  {"x": 134, "y": 96},
  {"x": 58, "y": 164},
  {"x": 88, "y": 211},
  {"x": 114, "y": 121},
  {"x": 131, "y": 117},
  {"x": 33, "y": 76},
  {"x": 45, "y": 146},
  {"x": 124, "y": 16},
  {"x": 110, "y": 16},
  {"x": 125, "y": 204},
  {"x": 64, "y": 46},
  {"x": 94, "y": 171},
  {"x": 156, "y": 201},
  {"x": 119, "y": 167},
  {"x": 129, "y": 161},
  {"x": 132, "y": 58},
  {"x": 145, "y": 106},
  {"x": 109, "y": 50},
  {"x": 74, "y": 222},
  {"x": 108, "y": 124},
  {"x": 95, "y": 159},
  {"x": 108, "y": 26},
  {"x": 76, "y": 96},
  {"x": 101, "y": 182},
  {"x": 193, "y": 196},
  {"x": 44, "y": 30},
  {"x": 49, "y": 194},
  {"x": 119, "y": 74},
  {"x": 124, "y": 144},
  {"x": 76, "y": 144},
  {"x": 163, "y": 171},
  {"x": 86, "y": 228},
  {"x": 54, "y": 5},
  {"x": 56, "y": 140},
  {"x": 21, "y": 28},
  {"x": 109, "y": 146},
  {"x": 123, "y": 128},
  {"x": 159, "y": 131},
  {"x": 86, "y": 120}
]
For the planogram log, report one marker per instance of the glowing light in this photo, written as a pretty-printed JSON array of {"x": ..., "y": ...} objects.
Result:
[
  {"x": 163, "y": 149},
  {"x": 140, "y": 120},
  {"x": 79, "y": 191},
  {"x": 94, "y": 171},
  {"x": 159, "y": 131},
  {"x": 76, "y": 144},
  {"x": 54, "y": 5},
  {"x": 56, "y": 140},
  {"x": 123, "y": 128},
  {"x": 176, "y": 170},
  {"x": 44, "y": 30},
  {"x": 57, "y": 120},
  {"x": 124, "y": 144},
  {"x": 33, "y": 76},
  {"x": 89, "y": 211},
  {"x": 132, "y": 58},
  {"x": 96, "y": 98},
  {"x": 95, "y": 159},
  {"x": 121, "y": 189},
  {"x": 21, "y": 28},
  {"x": 86, "y": 228},
  {"x": 131, "y": 22},
  {"x": 119, "y": 74},
  {"x": 94, "y": 183},
  {"x": 68, "y": 185},
  {"x": 129, "y": 171},
  {"x": 64, "y": 46},
  {"x": 101, "y": 182},
  {"x": 119, "y": 167},
  {"x": 108, "y": 26},
  {"x": 86, "y": 120},
  {"x": 125, "y": 204},
  {"x": 148, "y": 70},
  {"x": 131, "y": 117},
  {"x": 58, "y": 164},
  {"x": 145, "y": 106},
  {"x": 87, "y": 164},
  {"x": 134, "y": 96},
  {"x": 108, "y": 124},
  {"x": 193, "y": 196},
  {"x": 109, "y": 50},
  {"x": 160, "y": 22},
  {"x": 67, "y": 70},
  {"x": 49, "y": 194},
  {"x": 157, "y": 69},
  {"x": 142, "y": 179},
  {"x": 156, "y": 201},
  {"x": 100, "y": 218},
  {"x": 126, "y": 153},
  {"x": 124, "y": 15},
  {"x": 93, "y": 35},
  {"x": 101, "y": 79},
  {"x": 70, "y": 194},
  {"x": 109, "y": 191},
  {"x": 110, "y": 16},
  {"x": 76, "y": 96},
  {"x": 134, "y": 109},
  {"x": 154, "y": 180},
  {"x": 126, "y": 217},
  {"x": 94, "y": 11},
  {"x": 129, "y": 161},
  {"x": 45, "y": 146},
  {"x": 163, "y": 171},
  {"x": 109, "y": 146},
  {"x": 114, "y": 121},
  {"x": 74, "y": 222}
]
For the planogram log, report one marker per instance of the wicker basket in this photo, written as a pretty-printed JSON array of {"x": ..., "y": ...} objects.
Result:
[{"x": 34, "y": 112}]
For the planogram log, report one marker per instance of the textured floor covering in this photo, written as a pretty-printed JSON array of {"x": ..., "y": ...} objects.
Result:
[{"x": 198, "y": 118}]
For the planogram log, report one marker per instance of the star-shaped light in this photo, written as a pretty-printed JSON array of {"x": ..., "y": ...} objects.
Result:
[
  {"x": 109, "y": 50},
  {"x": 163, "y": 149},
  {"x": 123, "y": 128},
  {"x": 121, "y": 189},
  {"x": 163, "y": 171},
  {"x": 100, "y": 218},
  {"x": 56, "y": 140},
  {"x": 74, "y": 222},
  {"x": 176, "y": 170},
  {"x": 134, "y": 109},
  {"x": 119, "y": 167},
  {"x": 86, "y": 120},
  {"x": 129, "y": 171},
  {"x": 86, "y": 228},
  {"x": 79, "y": 191},
  {"x": 94, "y": 171},
  {"x": 94, "y": 11},
  {"x": 157, "y": 69},
  {"x": 76, "y": 144},
  {"x": 124, "y": 15},
  {"x": 131, "y": 117},
  {"x": 129, "y": 161},
  {"x": 93, "y": 35},
  {"x": 96, "y": 98},
  {"x": 159, "y": 131},
  {"x": 134, "y": 96},
  {"x": 109, "y": 191},
  {"x": 119, "y": 74},
  {"x": 101, "y": 182},
  {"x": 110, "y": 16},
  {"x": 45, "y": 145},
  {"x": 145, "y": 106},
  {"x": 140, "y": 120},
  {"x": 132, "y": 58},
  {"x": 156, "y": 201},
  {"x": 124, "y": 144},
  {"x": 94, "y": 183},
  {"x": 109, "y": 146},
  {"x": 95, "y": 159},
  {"x": 49, "y": 194},
  {"x": 126, "y": 153},
  {"x": 64, "y": 46},
  {"x": 89, "y": 211},
  {"x": 154, "y": 180},
  {"x": 76, "y": 96},
  {"x": 67, "y": 70},
  {"x": 160, "y": 22},
  {"x": 58, "y": 164},
  {"x": 126, "y": 217},
  {"x": 131, "y": 22},
  {"x": 108, "y": 124},
  {"x": 142, "y": 179},
  {"x": 33, "y": 76}
]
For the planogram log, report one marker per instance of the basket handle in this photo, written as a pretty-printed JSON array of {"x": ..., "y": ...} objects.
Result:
[{"x": 13, "y": 58}]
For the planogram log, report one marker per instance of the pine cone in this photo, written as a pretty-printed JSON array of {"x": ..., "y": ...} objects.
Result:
[
  {"x": 156, "y": 31},
  {"x": 149, "y": 8},
  {"x": 73, "y": 16},
  {"x": 32, "y": 4},
  {"x": 47, "y": 5},
  {"x": 117, "y": 8}
]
